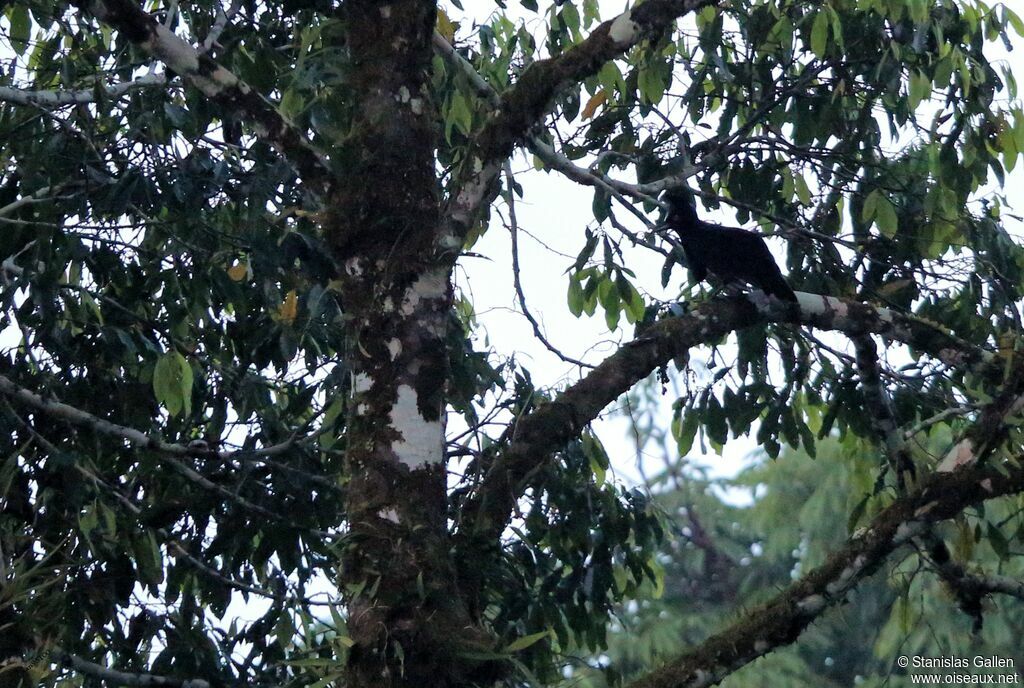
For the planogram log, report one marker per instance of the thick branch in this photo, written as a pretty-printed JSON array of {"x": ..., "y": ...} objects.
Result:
[
  {"x": 879, "y": 407},
  {"x": 529, "y": 442},
  {"x": 217, "y": 83},
  {"x": 780, "y": 621},
  {"x": 122, "y": 678},
  {"x": 992, "y": 425},
  {"x": 542, "y": 149},
  {"x": 59, "y": 98},
  {"x": 968, "y": 584},
  {"x": 525, "y": 104}
]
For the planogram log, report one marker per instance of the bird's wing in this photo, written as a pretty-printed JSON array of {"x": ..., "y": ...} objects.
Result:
[{"x": 696, "y": 265}]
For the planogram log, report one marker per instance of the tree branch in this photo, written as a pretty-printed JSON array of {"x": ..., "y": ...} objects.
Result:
[
  {"x": 217, "y": 83},
  {"x": 880, "y": 410},
  {"x": 121, "y": 678},
  {"x": 60, "y": 98},
  {"x": 513, "y": 230},
  {"x": 526, "y": 103},
  {"x": 780, "y": 621},
  {"x": 76, "y": 416},
  {"x": 991, "y": 427},
  {"x": 543, "y": 150},
  {"x": 528, "y": 442},
  {"x": 969, "y": 585},
  {"x": 169, "y": 539},
  {"x": 530, "y": 99}
]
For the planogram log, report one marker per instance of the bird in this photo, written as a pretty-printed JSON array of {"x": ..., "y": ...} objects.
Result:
[{"x": 729, "y": 253}]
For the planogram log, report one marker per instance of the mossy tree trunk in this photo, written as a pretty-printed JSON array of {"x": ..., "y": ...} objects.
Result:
[{"x": 405, "y": 615}]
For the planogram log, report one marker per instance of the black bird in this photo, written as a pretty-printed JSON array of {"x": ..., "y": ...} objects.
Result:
[{"x": 729, "y": 253}]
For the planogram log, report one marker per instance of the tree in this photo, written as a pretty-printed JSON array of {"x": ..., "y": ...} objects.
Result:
[{"x": 234, "y": 343}]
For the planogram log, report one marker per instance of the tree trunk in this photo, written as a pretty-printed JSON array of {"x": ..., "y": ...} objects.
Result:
[{"x": 406, "y": 617}]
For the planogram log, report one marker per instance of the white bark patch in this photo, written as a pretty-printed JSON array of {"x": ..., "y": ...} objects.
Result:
[
  {"x": 226, "y": 79},
  {"x": 623, "y": 30},
  {"x": 450, "y": 241},
  {"x": 389, "y": 515},
  {"x": 352, "y": 267},
  {"x": 429, "y": 285},
  {"x": 416, "y": 104},
  {"x": 385, "y": 12},
  {"x": 846, "y": 578},
  {"x": 812, "y": 604},
  {"x": 961, "y": 454},
  {"x": 472, "y": 194},
  {"x": 422, "y": 440},
  {"x": 816, "y": 304},
  {"x": 173, "y": 50},
  {"x": 394, "y": 348},
  {"x": 361, "y": 383},
  {"x": 404, "y": 95},
  {"x": 218, "y": 82}
]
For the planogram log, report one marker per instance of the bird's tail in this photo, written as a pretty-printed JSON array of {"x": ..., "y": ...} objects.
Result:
[{"x": 779, "y": 288}]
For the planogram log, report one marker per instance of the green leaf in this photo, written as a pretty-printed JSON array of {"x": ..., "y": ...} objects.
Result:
[
  {"x": 172, "y": 383},
  {"x": 684, "y": 430},
  {"x": 856, "y": 514},
  {"x": 998, "y": 541},
  {"x": 526, "y": 641},
  {"x": 21, "y": 28},
  {"x": 148, "y": 562},
  {"x": 885, "y": 216},
  {"x": 803, "y": 192},
  {"x": 1014, "y": 20},
  {"x": 788, "y": 184},
  {"x": 88, "y": 520},
  {"x": 867, "y": 213},
  {"x": 658, "y": 574},
  {"x": 837, "y": 27},
  {"x": 571, "y": 18},
  {"x": 576, "y": 298},
  {"x": 597, "y": 456},
  {"x": 601, "y": 205},
  {"x": 292, "y": 104},
  {"x": 819, "y": 34},
  {"x": 652, "y": 80},
  {"x": 460, "y": 114},
  {"x": 920, "y": 88}
]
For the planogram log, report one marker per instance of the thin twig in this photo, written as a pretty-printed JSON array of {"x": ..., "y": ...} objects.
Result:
[{"x": 513, "y": 229}]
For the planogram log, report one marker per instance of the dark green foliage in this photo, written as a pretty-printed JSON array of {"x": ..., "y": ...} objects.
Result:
[{"x": 164, "y": 270}]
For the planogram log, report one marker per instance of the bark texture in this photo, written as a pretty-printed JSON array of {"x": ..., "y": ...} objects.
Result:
[{"x": 406, "y": 617}]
